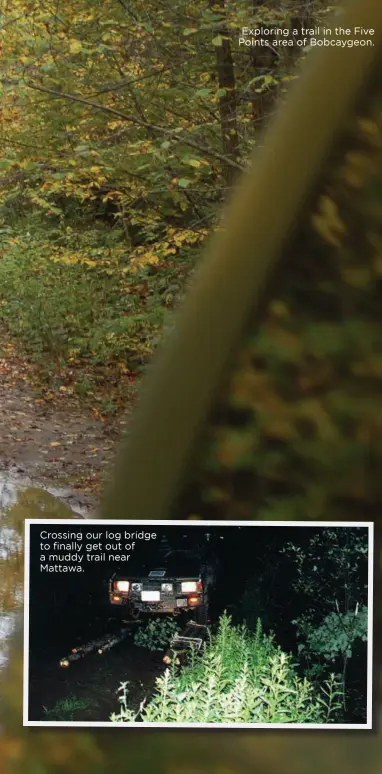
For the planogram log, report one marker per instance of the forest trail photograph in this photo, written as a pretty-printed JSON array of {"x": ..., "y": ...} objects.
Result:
[{"x": 190, "y": 330}]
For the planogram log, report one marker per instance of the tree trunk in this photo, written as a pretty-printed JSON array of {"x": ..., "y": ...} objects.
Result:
[{"x": 227, "y": 100}]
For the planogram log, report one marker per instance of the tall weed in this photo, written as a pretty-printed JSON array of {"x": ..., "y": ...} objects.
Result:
[{"x": 239, "y": 677}]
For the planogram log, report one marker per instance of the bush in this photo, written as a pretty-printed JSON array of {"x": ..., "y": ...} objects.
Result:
[
  {"x": 157, "y": 634},
  {"x": 239, "y": 677},
  {"x": 76, "y": 301}
]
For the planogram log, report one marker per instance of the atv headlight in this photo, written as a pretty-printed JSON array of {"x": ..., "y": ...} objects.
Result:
[
  {"x": 189, "y": 586},
  {"x": 122, "y": 585}
]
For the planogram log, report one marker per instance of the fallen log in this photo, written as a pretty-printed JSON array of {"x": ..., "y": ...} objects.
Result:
[
  {"x": 110, "y": 643},
  {"x": 101, "y": 644}
]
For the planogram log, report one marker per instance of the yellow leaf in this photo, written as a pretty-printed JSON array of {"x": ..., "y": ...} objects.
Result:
[
  {"x": 55, "y": 443},
  {"x": 75, "y": 47},
  {"x": 194, "y": 163}
]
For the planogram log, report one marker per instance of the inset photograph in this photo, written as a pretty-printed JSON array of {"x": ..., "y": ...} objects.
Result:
[{"x": 198, "y": 624}]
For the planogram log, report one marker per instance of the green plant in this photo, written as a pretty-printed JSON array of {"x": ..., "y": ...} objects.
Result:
[
  {"x": 337, "y": 633},
  {"x": 238, "y": 677},
  {"x": 334, "y": 638},
  {"x": 125, "y": 715},
  {"x": 65, "y": 709},
  {"x": 330, "y": 575},
  {"x": 69, "y": 304},
  {"x": 156, "y": 634}
]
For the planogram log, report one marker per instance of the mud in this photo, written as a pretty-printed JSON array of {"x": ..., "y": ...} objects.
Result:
[
  {"x": 22, "y": 498},
  {"x": 50, "y": 438},
  {"x": 90, "y": 685}
]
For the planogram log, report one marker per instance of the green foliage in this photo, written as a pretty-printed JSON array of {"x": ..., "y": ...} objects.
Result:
[
  {"x": 331, "y": 558},
  {"x": 115, "y": 155},
  {"x": 330, "y": 576},
  {"x": 336, "y": 634},
  {"x": 322, "y": 576},
  {"x": 65, "y": 709},
  {"x": 74, "y": 301},
  {"x": 239, "y": 677},
  {"x": 157, "y": 633}
]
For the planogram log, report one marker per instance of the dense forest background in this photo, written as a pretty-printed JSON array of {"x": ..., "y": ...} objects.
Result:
[{"x": 123, "y": 128}]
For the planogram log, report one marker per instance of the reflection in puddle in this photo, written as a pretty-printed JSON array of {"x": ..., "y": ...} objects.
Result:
[
  {"x": 10, "y": 541},
  {"x": 8, "y": 492},
  {"x": 7, "y": 625},
  {"x": 20, "y": 500}
]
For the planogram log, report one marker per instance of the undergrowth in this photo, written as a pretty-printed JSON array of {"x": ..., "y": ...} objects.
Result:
[
  {"x": 156, "y": 634},
  {"x": 65, "y": 709},
  {"x": 77, "y": 305},
  {"x": 239, "y": 677}
]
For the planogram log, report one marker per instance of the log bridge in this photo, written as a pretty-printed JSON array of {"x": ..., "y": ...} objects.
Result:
[{"x": 101, "y": 645}]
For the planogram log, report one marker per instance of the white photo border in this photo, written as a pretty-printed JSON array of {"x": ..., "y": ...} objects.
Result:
[{"x": 199, "y": 523}]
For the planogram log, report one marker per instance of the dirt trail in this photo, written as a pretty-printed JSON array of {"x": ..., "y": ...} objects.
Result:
[{"x": 50, "y": 438}]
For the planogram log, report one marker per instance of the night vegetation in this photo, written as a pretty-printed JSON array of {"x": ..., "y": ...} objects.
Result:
[
  {"x": 240, "y": 677},
  {"x": 156, "y": 634},
  {"x": 66, "y": 709},
  {"x": 313, "y": 593},
  {"x": 316, "y": 595}
]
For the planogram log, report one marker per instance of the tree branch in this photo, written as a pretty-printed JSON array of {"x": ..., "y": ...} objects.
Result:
[
  {"x": 127, "y": 82},
  {"x": 170, "y": 133}
]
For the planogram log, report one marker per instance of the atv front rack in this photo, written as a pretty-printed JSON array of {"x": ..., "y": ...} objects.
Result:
[
  {"x": 193, "y": 636},
  {"x": 186, "y": 641}
]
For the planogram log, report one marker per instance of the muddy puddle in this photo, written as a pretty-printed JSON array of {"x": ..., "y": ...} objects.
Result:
[
  {"x": 22, "y": 498},
  {"x": 89, "y": 689},
  {"x": 42, "y": 498}
]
